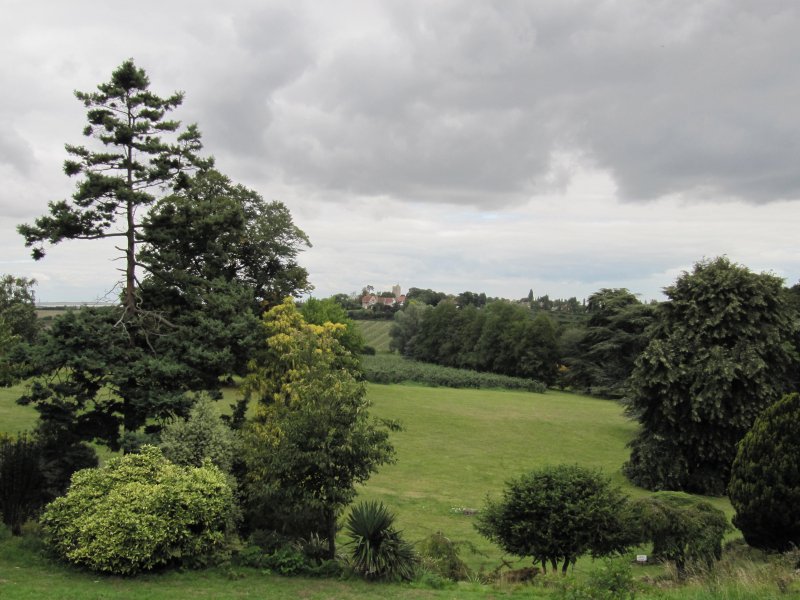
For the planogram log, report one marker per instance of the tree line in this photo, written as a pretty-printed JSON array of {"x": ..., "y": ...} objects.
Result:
[
  {"x": 589, "y": 347},
  {"x": 695, "y": 370}
]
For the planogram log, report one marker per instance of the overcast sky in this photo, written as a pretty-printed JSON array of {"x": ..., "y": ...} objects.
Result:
[{"x": 562, "y": 146}]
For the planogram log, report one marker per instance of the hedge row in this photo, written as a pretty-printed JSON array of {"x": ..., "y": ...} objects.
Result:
[{"x": 392, "y": 368}]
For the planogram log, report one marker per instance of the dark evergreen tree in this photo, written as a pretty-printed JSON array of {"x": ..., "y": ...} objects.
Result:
[
  {"x": 21, "y": 480},
  {"x": 765, "y": 478},
  {"x": 721, "y": 351},
  {"x": 601, "y": 359}
]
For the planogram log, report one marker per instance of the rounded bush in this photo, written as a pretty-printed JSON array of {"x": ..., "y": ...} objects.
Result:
[
  {"x": 765, "y": 478},
  {"x": 139, "y": 512},
  {"x": 557, "y": 514}
]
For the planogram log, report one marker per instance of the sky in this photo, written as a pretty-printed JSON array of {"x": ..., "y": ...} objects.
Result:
[{"x": 491, "y": 146}]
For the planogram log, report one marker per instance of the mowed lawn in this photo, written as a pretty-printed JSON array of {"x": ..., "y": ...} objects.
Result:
[{"x": 460, "y": 445}]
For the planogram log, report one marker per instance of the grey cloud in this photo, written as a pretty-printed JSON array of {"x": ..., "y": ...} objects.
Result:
[
  {"x": 15, "y": 151},
  {"x": 468, "y": 102},
  {"x": 266, "y": 49}
]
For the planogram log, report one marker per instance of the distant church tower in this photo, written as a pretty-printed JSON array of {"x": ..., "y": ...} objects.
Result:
[{"x": 397, "y": 290}]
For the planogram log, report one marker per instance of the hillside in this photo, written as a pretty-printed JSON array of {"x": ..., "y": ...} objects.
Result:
[{"x": 376, "y": 334}]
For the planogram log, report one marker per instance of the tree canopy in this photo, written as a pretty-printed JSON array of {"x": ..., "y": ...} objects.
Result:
[
  {"x": 601, "y": 359},
  {"x": 213, "y": 255},
  {"x": 720, "y": 352},
  {"x": 18, "y": 326}
]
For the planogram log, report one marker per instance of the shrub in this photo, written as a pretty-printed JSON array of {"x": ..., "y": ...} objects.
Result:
[
  {"x": 202, "y": 435},
  {"x": 378, "y": 550},
  {"x": 765, "y": 479},
  {"x": 440, "y": 555},
  {"x": 681, "y": 528},
  {"x": 21, "y": 480},
  {"x": 556, "y": 514},
  {"x": 139, "y": 512}
]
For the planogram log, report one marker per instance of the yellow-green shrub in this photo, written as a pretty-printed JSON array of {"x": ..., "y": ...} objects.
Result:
[{"x": 138, "y": 512}]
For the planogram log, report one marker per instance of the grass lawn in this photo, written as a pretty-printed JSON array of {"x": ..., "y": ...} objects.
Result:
[
  {"x": 460, "y": 445},
  {"x": 26, "y": 576},
  {"x": 457, "y": 446}
]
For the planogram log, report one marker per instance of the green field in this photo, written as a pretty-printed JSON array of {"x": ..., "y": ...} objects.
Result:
[
  {"x": 376, "y": 334},
  {"x": 457, "y": 446}
]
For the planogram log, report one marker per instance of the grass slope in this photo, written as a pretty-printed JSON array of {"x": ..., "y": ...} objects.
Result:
[
  {"x": 376, "y": 334},
  {"x": 460, "y": 445}
]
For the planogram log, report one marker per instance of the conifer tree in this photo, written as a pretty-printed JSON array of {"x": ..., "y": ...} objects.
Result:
[{"x": 141, "y": 154}]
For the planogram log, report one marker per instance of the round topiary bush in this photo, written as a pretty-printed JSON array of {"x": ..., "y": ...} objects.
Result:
[
  {"x": 765, "y": 479},
  {"x": 139, "y": 512},
  {"x": 556, "y": 514}
]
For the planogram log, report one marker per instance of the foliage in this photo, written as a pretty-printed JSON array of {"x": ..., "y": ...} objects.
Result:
[
  {"x": 378, "y": 550},
  {"x": 501, "y": 337},
  {"x": 393, "y": 369},
  {"x": 62, "y": 454},
  {"x": 681, "y": 528},
  {"x": 440, "y": 554},
  {"x": 557, "y": 514},
  {"x": 765, "y": 478},
  {"x": 311, "y": 438},
  {"x": 18, "y": 307},
  {"x": 425, "y": 296},
  {"x": 99, "y": 380},
  {"x": 139, "y": 512},
  {"x": 613, "y": 580},
  {"x": 119, "y": 178},
  {"x": 21, "y": 480},
  {"x": 202, "y": 435},
  {"x": 319, "y": 312},
  {"x": 601, "y": 360},
  {"x": 721, "y": 352},
  {"x": 214, "y": 255},
  {"x": 18, "y": 326},
  {"x": 406, "y": 326},
  {"x": 214, "y": 233}
]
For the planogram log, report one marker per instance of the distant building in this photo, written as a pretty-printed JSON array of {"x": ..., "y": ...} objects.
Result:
[{"x": 397, "y": 299}]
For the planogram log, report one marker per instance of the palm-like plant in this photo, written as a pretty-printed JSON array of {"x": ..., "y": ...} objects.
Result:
[{"x": 378, "y": 550}]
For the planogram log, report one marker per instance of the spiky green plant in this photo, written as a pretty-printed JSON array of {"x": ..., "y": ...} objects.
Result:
[{"x": 378, "y": 551}]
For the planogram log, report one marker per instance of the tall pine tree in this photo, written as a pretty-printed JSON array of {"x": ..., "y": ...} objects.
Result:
[{"x": 140, "y": 155}]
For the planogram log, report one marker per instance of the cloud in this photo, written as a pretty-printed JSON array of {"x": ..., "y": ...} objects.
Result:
[{"x": 15, "y": 152}]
